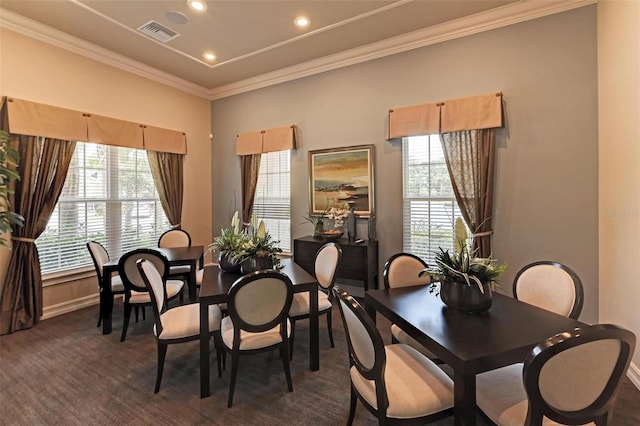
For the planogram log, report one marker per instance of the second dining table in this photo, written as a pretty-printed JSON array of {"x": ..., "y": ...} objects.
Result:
[
  {"x": 214, "y": 289},
  {"x": 469, "y": 343}
]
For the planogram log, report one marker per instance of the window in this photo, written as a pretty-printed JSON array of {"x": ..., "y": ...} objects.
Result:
[
  {"x": 429, "y": 204},
  {"x": 108, "y": 196},
  {"x": 272, "y": 202}
]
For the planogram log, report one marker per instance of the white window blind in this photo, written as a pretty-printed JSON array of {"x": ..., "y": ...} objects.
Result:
[
  {"x": 108, "y": 196},
  {"x": 429, "y": 205},
  {"x": 272, "y": 202}
]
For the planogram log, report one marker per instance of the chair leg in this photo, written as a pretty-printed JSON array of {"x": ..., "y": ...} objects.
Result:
[
  {"x": 352, "y": 406},
  {"x": 125, "y": 325},
  {"x": 291, "y": 337},
  {"x": 162, "y": 353},
  {"x": 99, "y": 316},
  {"x": 285, "y": 363},
  {"x": 329, "y": 328},
  {"x": 235, "y": 358},
  {"x": 136, "y": 312}
]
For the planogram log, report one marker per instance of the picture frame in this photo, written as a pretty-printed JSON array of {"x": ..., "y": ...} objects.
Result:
[{"x": 340, "y": 175}]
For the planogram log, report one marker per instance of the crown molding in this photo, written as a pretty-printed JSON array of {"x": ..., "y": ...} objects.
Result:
[
  {"x": 35, "y": 30},
  {"x": 523, "y": 10},
  {"x": 500, "y": 17}
]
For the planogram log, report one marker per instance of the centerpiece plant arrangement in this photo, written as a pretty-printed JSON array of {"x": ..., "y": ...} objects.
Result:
[
  {"x": 246, "y": 250},
  {"x": 464, "y": 280}
]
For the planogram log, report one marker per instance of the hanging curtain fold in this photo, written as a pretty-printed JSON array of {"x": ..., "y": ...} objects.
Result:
[
  {"x": 470, "y": 157},
  {"x": 249, "y": 168},
  {"x": 43, "y": 167},
  {"x": 167, "y": 170}
]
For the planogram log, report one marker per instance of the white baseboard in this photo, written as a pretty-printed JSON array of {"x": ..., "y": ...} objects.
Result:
[
  {"x": 633, "y": 373},
  {"x": 69, "y": 306}
]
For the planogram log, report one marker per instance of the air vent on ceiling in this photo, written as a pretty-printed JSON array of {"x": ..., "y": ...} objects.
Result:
[{"x": 158, "y": 31}]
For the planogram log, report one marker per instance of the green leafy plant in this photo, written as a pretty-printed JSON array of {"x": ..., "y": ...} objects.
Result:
[
  {"x": 8, "y": 162},
  {"x": 230, "y": 240},
  {"x": 463, "y": 266},
  {"x": 258, "y": 243}
]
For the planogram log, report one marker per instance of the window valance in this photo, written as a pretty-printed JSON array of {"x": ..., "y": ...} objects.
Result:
[
  {"x": 35, "y": 119},
  {"x": 270, "y": 140},
  {"x": 475, "y": 112}
]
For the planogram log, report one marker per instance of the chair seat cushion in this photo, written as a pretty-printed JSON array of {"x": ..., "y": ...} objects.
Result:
[
  {"x": 116, "y": 284},
  {"x": 180, "y": 269},
  {"x": 416, "y": 387},
  {"x": 402, "y": 337},
  {"x": 184, "y": 321},
  {"x": 300, "y": 303},
  {"x": 501, "y": 396},
  {"x": 249, "y": 341},
  {"x": 174, "y": 287}
]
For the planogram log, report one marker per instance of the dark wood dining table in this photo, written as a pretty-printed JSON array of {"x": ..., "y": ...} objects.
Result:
[
  {"x": 177, "y": 256},
  {"x": 469, "y": 343},
  {"x": 213, "y": 290}
]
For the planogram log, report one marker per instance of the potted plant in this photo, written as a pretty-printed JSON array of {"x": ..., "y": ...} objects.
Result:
[
  {"x": 465, "y": 280},
  {"x": 228, "y": 243},
  {"x": 318, "y": 223},
  {"x": 8, "y": 162},
  {"x": 258, "y": 251}
]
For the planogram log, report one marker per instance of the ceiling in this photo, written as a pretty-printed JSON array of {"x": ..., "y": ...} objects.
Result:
[{"x": 255, "y": 41}]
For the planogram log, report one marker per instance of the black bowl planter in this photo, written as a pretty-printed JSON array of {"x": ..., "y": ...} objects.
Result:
[{"x": 466, "y": 298}]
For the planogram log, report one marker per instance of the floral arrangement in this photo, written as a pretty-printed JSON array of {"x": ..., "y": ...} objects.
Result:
[
  {"x": 230, "y": 239},
  {"x": 338, "y": 215},
  {"x": 462, "y": 266}
]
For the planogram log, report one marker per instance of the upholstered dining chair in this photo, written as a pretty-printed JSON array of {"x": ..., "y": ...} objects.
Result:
[
  {"x": 176, "y": 238},
  {"x": 136, "y": 293},
  {"x": 550, "y": 285},
  {"x": 394, "y": 382},
  {"x": 326, "y": 263},
  {"x": 178, "y": 324},
  {"x": 100, "y": 256},
  {"x": 571, "y": 378},
  {"x": 258, "y": 304},
  {"x": 401, "y": 270}
]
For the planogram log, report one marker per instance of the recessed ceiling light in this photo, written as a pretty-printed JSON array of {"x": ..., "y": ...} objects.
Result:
[
  {"x": 301, "y": 21},
  {"x": 176, "y": 17},
  {"x": 209, "y": 56},
  {"x": 198, "y": 5}
]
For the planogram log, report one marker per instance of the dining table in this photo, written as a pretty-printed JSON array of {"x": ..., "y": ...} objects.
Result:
[
  {"x": 468, "y": 343},
  {"x": 177, "y": 256},
  {"x": 214, "y": 290}
]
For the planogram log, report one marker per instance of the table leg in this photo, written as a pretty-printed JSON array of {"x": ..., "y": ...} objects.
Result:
[
  {"x": 464, "y": 396},
  {"x": 314, "y": 335},
  {"x": 204, "y": 350},
  {"x": 192, "y": 281},
  {"x": 106, "y": 302}
]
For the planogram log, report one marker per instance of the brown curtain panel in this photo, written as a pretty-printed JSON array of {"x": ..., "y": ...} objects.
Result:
[
  {"x": 470, "y": 157},
  {"x": 249, "y": 167},
  {"x": 168, "y": 175},
  {"x": 43, "y": 167}
]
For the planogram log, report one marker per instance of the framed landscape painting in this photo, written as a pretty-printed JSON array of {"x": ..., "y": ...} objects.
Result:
[{"x": 342, "y": 175}]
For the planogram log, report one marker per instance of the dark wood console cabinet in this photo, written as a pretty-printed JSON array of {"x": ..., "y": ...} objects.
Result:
[{"x": 359, "y": 261}]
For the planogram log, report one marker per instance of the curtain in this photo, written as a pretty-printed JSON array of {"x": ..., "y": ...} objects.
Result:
[
  {"x": 470, "y": 157},
  {"x": 43, "y": 167},
  {"x": 249, "y": 167},
  {"x": 168, "y": 175}
]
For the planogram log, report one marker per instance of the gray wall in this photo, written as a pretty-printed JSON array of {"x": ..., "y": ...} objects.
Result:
[{"x": 547, "y": 166}]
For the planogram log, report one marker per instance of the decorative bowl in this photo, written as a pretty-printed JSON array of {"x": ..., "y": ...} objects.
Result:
[{"x": 332, "y": 234}]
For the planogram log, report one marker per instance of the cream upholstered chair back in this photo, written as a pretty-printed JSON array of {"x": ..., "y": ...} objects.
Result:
[
  {"x": 175, "y": 238},
  {"x": 326, "y": 264},
  {"x": 99, "y": 255},
  {"x": 573, "y": 377},
  {"x": 551, "y": 286},
  {"x": 129, "y": 272},
  {"x": 259, "y": 301},
  {"x": 155, "y": 285},
  {"x": 401, "y": 270}
]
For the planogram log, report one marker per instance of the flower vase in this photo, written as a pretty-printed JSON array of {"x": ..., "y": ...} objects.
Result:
[
  {"x": 226, "y": 264},
  {"x": 253, "y": 264},
  {"x": 466, "y": 297},
  {"x": 317, "y": 229}
]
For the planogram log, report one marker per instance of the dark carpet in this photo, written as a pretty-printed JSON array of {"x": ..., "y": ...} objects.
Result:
[{"x": 65, "y": 372}]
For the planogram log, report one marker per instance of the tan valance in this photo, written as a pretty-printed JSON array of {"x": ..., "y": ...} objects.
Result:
[
  {"x": 475, "y": 112},
  {"x": 35, "y": 119},
  {"x": 472, "y": 113},
  {"x": 110, "y": 131},
  {"x": 164, "y": 140},
  {"x": 270, "y": 140},
  {"x": 414, "y": 120}
]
